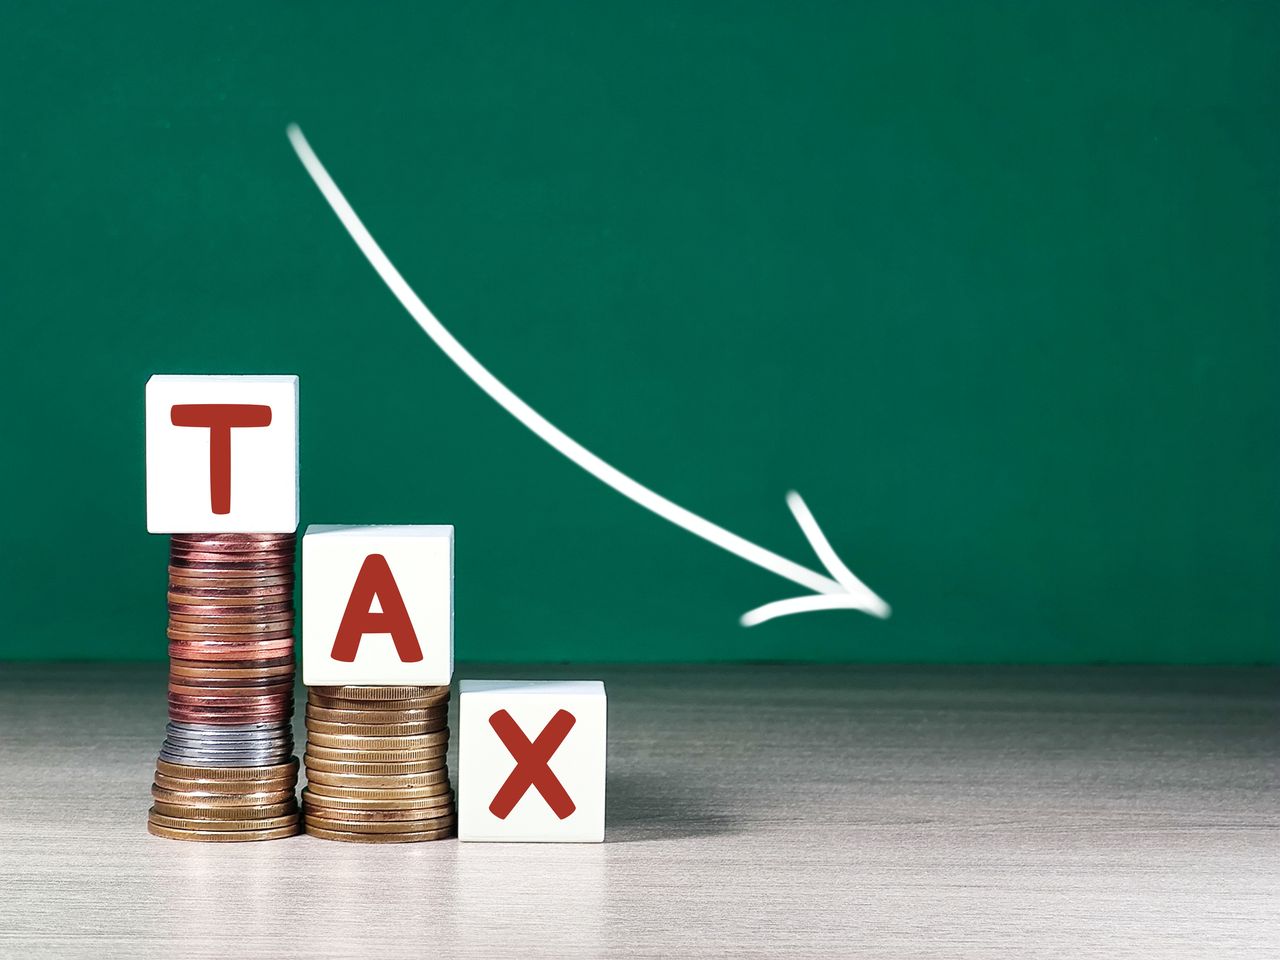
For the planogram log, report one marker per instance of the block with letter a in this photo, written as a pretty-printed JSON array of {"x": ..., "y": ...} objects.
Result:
[
  {"x": 377, "y": 605},
  {"x": 222, "y": 454},
  {"x": 531, "y": 760}
]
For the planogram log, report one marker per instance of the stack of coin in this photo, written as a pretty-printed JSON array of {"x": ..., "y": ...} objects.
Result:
[
  {"x": 226, "y": 769},
  {"x": 376, "y": 765}
]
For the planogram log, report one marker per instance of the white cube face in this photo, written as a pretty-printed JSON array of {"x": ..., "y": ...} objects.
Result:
[
  {"x": 222, "y": 454},
  {"x": 531, "y": 761},
  {"x": 377, "y": 605}
]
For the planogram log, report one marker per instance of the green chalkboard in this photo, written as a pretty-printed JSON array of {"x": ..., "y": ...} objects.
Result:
[{"x": 993, "y": 285}]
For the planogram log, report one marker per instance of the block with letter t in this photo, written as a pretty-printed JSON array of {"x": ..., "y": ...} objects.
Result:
[
  {"x": 531, "y": 760},
  {"x": 222, "y": 454},
  {"x": 377, "y": 605}
]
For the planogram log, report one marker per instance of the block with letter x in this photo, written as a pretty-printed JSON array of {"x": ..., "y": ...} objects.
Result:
[
  {"x": 531, "y": 761},
  {"x": 222, "y": 454},
  {"x": 377, "y": 605}
]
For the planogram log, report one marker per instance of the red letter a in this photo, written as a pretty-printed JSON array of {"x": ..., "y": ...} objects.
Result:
[{"x": 375, "y": 580}]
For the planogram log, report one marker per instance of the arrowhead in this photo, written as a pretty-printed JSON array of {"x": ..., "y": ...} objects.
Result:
[{"x": 846, "y": 591}]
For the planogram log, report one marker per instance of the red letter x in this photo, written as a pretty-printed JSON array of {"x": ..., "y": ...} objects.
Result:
[
  {"x": 531, "y": 764},
  {"x": 220, "y": 418}
]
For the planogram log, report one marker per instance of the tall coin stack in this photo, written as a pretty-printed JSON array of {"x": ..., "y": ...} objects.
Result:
[
  {"x": 226, "y": 770},
  {"x": 376, "y": 764}
]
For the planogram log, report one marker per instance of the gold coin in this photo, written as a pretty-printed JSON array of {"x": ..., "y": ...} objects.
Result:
[
  {"x": 222, "y": 836},
  {"x": 376, "y": 729},
  {"x": 384, "y": 693},
  {"x": 381, "y": 769},
  {"x": 330, "y": 791},
  {"x": 375, "y": 716},
  {"x": 382, "y": 757},
  {"x": 316, "y": 801},
  {"x": 365, "y": 781},
  {"x": 351, "y": 837},
  {"x": 328, "y": 703},
  {"x": 226, "y": 787},
  {"x": 196, "y": 811},
  {"x": 273, "y": 772},
  {"x": 181, "y": 823},
  {"x": 378, "y": 816},
  {"x": 204, "y": 799},
  {"x": 384, "y": 826},
  {"x": 413, "y": 742}
]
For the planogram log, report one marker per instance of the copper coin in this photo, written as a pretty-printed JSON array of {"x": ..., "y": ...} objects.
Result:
[
  {"x": 179, "y": 582},
  {"x": 376, "y": 729},
  {"x": 206, "y": 699},
  {"x": 327, "y": 792},
  {"x": 365, "y": 782},
  {"x": 199, "y": 798},
  {"x": 225, "y": 787},
  {"x": 255, "y": 646},
  {"x": 350, "y": 837},
  {"x": 380, "y": 757},
  {"x": 379, "y": 816},
  {"x": 226, "y": 813},
  {"x": 249, "y": 685},
  {"x": 220, "y": 613},
  {"x": 229, "y": 668},
  {"x": 320, "y": 765},
  {"x": 384, "y": 693},
  {"x": 261, "y": 597},
  {"x": 286, "y": 769},
  {"x": 322, "y": 793},
  {"x": 375, "y": 716},
  {"x": 231, "y": 626},
  {"x": 330, "y": 703},
  {"x": 347, "y": 742},
  {"x": 233, "y": 540},
  {"x": 195, "y": 552},
  {"x": 234, "y": 548},
  {"x": 223, "y": 836},
  {"x": 229, "y": 569},
  {"x": 446, "y": 819},
  {"x": 161, "y": 819},
  {"x": 199, "y": 631},
  {"x": 316, "y": 801},
  {"x": 216, "y": 691},
  {"x": 267, "y": 707},
  {"x": 254, "y": 643},
  {"x": 266, "y": 651},
  {"x": 238, "y": 716}
]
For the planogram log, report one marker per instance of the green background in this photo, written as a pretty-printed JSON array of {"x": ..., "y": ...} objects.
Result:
[{"x": 994, "y": 285}]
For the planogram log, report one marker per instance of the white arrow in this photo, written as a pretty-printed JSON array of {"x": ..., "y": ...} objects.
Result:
[{"x": 842, "y": 590}]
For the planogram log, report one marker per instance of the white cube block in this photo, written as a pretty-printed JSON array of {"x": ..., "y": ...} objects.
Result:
[
  {"x": 377, "y": 605},
  {"x": 531, "y": 760},
  {"x": 222, "y": 454}
]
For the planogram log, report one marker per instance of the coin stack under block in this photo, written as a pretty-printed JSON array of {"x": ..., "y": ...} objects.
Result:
[
  {"x": 226, "y": 770},
  {"x": 376, "y": 764}
]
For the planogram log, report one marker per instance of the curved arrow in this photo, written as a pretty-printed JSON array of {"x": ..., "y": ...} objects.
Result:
[{"x": 842, "y": 590}]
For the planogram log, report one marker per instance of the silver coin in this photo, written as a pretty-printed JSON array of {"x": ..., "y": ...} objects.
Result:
[
  {"x": 236, "y": 752},
  {"x": 229, "y": 729},
  {"x": 214, "y": 746},
  {"x": 213, "y": 739},
  {"x": 219, "y": 743}
]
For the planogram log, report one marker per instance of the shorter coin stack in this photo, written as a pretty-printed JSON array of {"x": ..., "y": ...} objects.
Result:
[
  {"x": 376, "y": 764},
  {"x": 226, "y": 769}
]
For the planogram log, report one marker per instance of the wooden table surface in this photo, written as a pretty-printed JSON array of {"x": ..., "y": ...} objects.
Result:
[{"x": 752, "y": 811}]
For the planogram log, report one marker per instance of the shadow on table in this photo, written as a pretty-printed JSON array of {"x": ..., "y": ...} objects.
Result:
[{"x": 648, "y": 808}]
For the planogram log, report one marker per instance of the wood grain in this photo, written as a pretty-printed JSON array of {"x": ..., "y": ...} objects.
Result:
[{"x": 753, "y": 811}]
